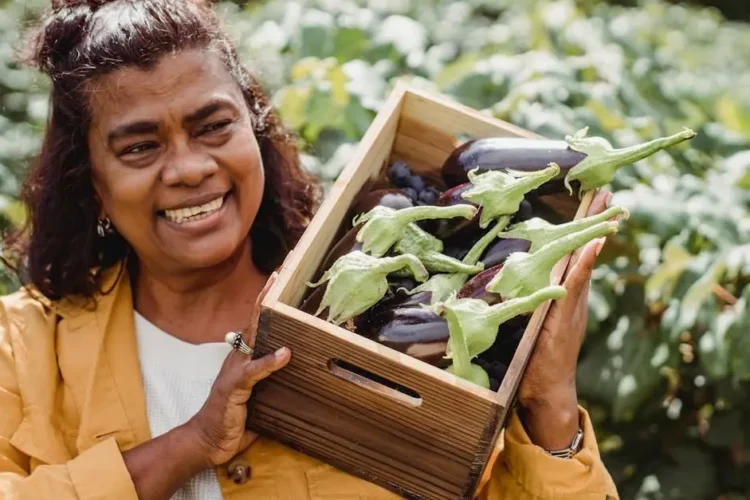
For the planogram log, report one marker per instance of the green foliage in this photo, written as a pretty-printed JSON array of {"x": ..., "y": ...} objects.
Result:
[{"x": 665, "y": 371}]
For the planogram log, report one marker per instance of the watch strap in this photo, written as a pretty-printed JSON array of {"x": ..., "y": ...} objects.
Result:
[{"x": 571, "y": 450}]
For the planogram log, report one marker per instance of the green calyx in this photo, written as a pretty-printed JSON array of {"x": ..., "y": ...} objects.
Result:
[
  {"x": 540, "y": 232},
  {"x": 602, "y": 160},
  {"x": 384, "y": 227},
  {"x": 500, "y": 193},
  {"x": 441, "y": 286},
  {"x": 428, "y": 249},
  {"x": 524, "y": 274},
  {"x": 357, "y": 281},
  {"x": 473, "y": 326}
]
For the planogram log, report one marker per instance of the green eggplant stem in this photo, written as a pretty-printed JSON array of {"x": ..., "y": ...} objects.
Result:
[
  {"x": 602, "y": 160},
  {"x": 409, "y": 262},
  {"x": 437, "y": 262},
  {"x": 540, "y": 232},
  {"x": 502, "y": 312},
  {"x": 476, "y": 251},
  {"x": 384, "y": 227},
  {"x": 501, "y": 193},
  {"x": 414, "y": 214},
  {"x": 524, "y": 273},
  {"x": 357, "y": 281},
  {"x": 443, "y": 285}
]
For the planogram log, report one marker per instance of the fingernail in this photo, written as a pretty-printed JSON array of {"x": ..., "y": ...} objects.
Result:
[
  {"x": 609, "y": 199},
  {"x": 280, "y": 352},
  {"x": 600, "y": 245}
]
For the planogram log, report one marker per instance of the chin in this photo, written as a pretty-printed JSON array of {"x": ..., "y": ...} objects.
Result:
[{"x": 212, "y": 253}]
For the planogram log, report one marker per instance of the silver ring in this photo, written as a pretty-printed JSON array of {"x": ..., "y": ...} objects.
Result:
[{"x": 235, "y": 340}]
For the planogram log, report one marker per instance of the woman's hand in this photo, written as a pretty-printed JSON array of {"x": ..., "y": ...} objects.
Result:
[
  {"x": 219, "y": 426},
  {"x": 215, "y": 434},
  {"x": 547, "y": 394}
]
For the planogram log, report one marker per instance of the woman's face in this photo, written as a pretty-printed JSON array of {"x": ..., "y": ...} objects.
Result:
[{"x": 176, "y": 164}]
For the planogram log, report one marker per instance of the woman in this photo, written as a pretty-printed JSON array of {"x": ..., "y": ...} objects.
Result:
[{"x": 165, "y": 195}]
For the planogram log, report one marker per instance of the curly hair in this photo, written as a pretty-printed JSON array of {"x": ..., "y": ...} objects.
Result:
[{"x": 58, "y": 250}]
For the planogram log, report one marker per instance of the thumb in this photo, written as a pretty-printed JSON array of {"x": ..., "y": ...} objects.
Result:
[{"x": 581, "y": 272}]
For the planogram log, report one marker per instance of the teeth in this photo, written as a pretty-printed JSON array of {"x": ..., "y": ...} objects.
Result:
[{"x": 194, "y": 213}]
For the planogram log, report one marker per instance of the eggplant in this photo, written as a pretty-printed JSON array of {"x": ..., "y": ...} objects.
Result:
[
  {"x": 345, "y": 245},
  {"x": 357, "y": 281},
  {"x": 474, "y": 325},
  {"x": 476, "y": 288},
  {"x": 415, "y": 331},
  {"x": 508, "y": 153},
  {"x": 499, "y": 251},
  {"x": 464, "y": 229},
  {"x": 384, "y": 227},
  {"x": 525, "y": 212},
  {"x": 393, "y": 198},
  {"x": 585, "y": 162},
  {"x": 524, "y": 273}
]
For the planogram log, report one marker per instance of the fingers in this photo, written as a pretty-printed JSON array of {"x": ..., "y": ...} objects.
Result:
[
  {"x": 258, "y": 369},
  {"x": 580, "y": 273},
  {"x": 599, "y": 204}
]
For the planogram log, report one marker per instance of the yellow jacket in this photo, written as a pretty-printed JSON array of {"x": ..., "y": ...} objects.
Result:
[{"x": 71, "y": 400}]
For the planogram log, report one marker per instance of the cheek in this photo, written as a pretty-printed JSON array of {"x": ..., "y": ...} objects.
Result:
[
  {"x": 126, "y": 197},
  {"x": 247, "y": 168}
]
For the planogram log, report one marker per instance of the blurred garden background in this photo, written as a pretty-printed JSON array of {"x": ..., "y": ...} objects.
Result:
[{"x": 665, "y": 370}]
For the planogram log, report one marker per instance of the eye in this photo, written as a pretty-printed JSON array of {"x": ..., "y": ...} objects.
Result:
[
  {"x": 215, "y": 127},
  {"x": 141, "y": 147}
]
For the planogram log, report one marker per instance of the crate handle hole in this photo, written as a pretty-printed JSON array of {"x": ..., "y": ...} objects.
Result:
[{"x": 372, "y": 382}]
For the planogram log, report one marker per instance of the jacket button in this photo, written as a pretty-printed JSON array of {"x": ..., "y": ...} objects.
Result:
[{"x": 239, "y": 471}]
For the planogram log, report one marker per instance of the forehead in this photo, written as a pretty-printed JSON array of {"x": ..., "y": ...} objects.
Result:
[{"x": 177, "y": 83}]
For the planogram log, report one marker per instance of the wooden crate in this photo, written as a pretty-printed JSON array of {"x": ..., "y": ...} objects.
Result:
[{"x": 409, "y": 426}]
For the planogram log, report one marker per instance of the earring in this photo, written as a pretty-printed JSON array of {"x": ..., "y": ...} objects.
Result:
[{"x": 104, "y": 227}]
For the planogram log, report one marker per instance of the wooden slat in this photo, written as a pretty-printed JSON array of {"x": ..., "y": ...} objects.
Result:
[
  {"x": 416, "y": 447},
  {"x": 442, "y": 442},
  {"x": 372, "y": 152},
  {"x": 437, "y": 111}
]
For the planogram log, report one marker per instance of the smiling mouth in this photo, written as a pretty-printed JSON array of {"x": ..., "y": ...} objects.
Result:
[{"x": 198, "y": 212}]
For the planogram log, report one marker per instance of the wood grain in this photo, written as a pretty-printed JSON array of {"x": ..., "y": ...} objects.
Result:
[
  {"x": 430, "y": 451},
  {"x": 371, "y": 154},
  {"x": 437, "y": 437}
]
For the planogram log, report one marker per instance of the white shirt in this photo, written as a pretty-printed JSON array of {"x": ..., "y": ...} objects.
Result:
[{"x": 177, "y": 378}]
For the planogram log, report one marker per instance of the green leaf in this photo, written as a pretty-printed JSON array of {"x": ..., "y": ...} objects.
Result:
[
  {"x": 675, "y": 259},
  {"x": 350, "y": 43}
]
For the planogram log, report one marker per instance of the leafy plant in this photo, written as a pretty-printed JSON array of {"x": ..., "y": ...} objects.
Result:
[{"x": 665, "y": 371}]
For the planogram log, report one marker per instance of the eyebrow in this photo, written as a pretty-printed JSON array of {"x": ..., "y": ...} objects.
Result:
[{"x": 147, "y": 127}]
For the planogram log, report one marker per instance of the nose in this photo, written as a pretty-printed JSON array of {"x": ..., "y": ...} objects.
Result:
[{"x": 188, "y": 167}]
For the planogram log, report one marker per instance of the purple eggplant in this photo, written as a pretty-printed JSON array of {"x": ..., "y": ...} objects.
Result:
[
  {"x": 464, "y": 229},
  {"x": 475, "y": 288},
  {"x": 509, "y": 153},
  {"x": 499, "y": 251},
  {"x": 586, "y": 162},
  {"x": 415, "y": 331},
  {"x": 393, "y": 198}
]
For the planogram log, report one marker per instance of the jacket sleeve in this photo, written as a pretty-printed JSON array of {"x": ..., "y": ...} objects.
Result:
[
  {"x": 525, "y": 471},
  {"x": 97, "y": 473}
]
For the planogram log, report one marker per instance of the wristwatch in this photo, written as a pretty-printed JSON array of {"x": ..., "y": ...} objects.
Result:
[{"x": 571, "y": 450}]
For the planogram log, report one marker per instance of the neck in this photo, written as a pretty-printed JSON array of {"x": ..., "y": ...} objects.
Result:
[{"x": 201, "y": 305}]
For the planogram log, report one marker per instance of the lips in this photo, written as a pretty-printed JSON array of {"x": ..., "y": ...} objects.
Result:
[{"x": 196, "y": 212}]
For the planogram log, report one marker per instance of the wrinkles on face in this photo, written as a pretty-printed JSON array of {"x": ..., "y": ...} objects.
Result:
[{"x": 176, "y": 137}]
